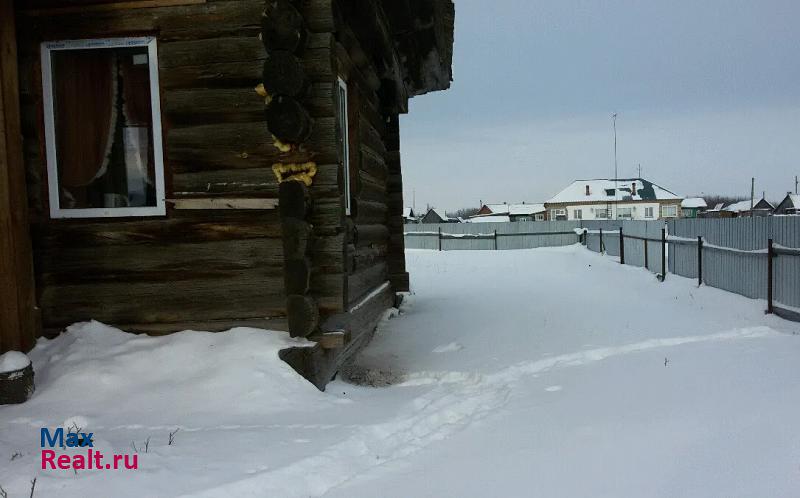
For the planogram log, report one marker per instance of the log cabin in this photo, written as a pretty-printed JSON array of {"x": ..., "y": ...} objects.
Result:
[{"x": 205, "y": 164}]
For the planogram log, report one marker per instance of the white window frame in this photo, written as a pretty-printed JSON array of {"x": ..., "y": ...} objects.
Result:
[
  {"x": 649, "y": 212},
  {"x": 625, "y": 213},
  {"x": 343, "y": 109},
  {"x": 577, "y": 214},
  {"x": 671, "y": 207},
  {"x": 50, "y": 132}
]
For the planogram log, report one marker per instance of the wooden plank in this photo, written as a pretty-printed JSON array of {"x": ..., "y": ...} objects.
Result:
[
  {"x": 363, "y": 281},
  {"x": 330, "y": 340},
  {"x": 319, "y": 365},
  {"x": 244, "y": 145},
  {"x": 223, "y": 203},
  {"x": 179, "y": 22},
  {"x": 183, "y": 226},
  {"x": 235, "y": 296},
  {"x": 179, "y": 261},
  {"x": 108, "y": 7},
  {"x": 17, "y": 303},
  {"x": 278, "y": 324}
]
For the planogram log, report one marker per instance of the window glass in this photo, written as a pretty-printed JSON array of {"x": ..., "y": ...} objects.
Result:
[
  {"x": 669, "y": 211},
  {"x": 103, "y": 136}
]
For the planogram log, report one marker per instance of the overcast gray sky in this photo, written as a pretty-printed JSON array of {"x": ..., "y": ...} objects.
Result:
[{"x": 707, "y": 92}]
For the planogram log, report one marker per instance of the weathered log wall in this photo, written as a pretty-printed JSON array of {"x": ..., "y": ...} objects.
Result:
[
  {"x": 374, "y": 251},
  {"x": 214, "y": 268},
  {"x": 18, "y": 318}
]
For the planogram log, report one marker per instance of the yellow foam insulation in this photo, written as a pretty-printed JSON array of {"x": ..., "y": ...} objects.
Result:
[
  {"x": 260, "y": 90},
  {"x": 280, "y": 145},
  {"x": 302, "y": 172}
]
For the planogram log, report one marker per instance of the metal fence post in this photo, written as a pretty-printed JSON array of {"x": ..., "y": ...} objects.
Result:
[
  {"x": 440, "y": 238},
  {"x": 601, "y": 241},
  {"x": 663, "y": 254},
  {"x": 699, "y": 260},
  {"x": 495, "y": 240},
  {"x": 770, "y": 256},
  {"x": 646, "y": 256},
  {"x": 621, "y": 247}
]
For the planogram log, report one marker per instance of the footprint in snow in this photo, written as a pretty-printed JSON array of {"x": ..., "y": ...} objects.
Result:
[
  {"x": 553, "y": 389},
  {"x": 448, "y": 348}
]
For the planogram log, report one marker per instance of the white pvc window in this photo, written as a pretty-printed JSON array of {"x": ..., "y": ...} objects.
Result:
[
  {"x": 648, "y": 212},
  {"x": 578, "y": 214},
  {"x": 669, "y": 211},
  {"x": 625, "y": 213},
  {"x": 102, "y": 123},
  {"x": 344, "y": 138}
]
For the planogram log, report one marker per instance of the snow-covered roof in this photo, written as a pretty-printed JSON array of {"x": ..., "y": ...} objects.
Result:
[
  {"x": 498, "y": 208},
  {"x": 442, "y": 215},
  {"x": 522, "y": 209},
  {"x": 694, "y": 202},
  {"x": 492, "y": 218},
  {"x": 516, "y": 209},
  {"x": 718, "y": 207},
  {"x": 609, "y": 190},
  {"x": 794, "y": 200},
  {"x": 743, "y": 206},
  {"x": 408, "y": 213}
]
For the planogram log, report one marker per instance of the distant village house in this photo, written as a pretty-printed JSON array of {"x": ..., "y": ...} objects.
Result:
[
  {"x": 790, "y": 205},
  {"x": 691, "y": 207},
  {"x": 437, "y": 216},
  {"x": 514, "y": 212},
  {"x": 409, "y": 216},
  {"x": 621, "y": 199},
  {"x": 748, "y": 209}
]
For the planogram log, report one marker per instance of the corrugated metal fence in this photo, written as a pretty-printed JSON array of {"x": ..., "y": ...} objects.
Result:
[
  {"x": 491, "y": 236},
  {"x": 641, "y": 240},
  {"x": 733, "y": 256}
]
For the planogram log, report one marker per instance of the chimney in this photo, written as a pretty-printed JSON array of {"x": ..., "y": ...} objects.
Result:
[
  {"x": 633, "y": 188},
  {"x": 587, "y": 190}
]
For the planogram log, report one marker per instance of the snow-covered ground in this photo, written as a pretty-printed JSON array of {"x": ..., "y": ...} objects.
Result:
[{"x": 548, "y": 372}]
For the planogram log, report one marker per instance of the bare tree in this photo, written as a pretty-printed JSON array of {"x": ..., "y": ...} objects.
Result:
[
  {"x": 465, "y": 212},
  {"x": 714, "y": 199}
]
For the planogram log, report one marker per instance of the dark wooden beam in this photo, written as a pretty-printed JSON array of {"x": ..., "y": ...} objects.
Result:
[{"x": 18, "y": 326}]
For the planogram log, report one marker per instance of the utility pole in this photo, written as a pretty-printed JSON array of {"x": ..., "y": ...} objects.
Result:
[
  {"x": 640, "y": 170},
  {"x": 616, "y": 187},
  {"x": 752, "y": 194},
  {"x": 614, "y": 124},
  {"x": 795, "y": 184}
]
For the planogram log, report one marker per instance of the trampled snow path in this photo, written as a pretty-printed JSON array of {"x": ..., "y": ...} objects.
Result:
[
  {"x": 550, "y": 372},
  {"x": 432, "y": 417}
]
